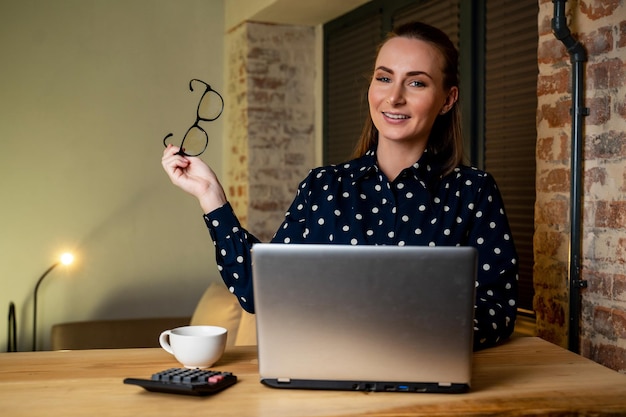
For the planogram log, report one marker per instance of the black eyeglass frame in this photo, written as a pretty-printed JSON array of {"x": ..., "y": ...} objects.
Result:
[{"x": 199, "y": 119}]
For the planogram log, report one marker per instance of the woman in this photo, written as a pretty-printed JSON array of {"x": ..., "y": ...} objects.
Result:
[{"x": 406, "y": 185}]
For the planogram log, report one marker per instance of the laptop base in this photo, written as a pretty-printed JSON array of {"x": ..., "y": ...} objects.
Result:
[{"x": 411, "y": 387}]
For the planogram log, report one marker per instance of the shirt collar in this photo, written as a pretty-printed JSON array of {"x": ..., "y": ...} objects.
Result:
[{"x": 425, "y": 169}]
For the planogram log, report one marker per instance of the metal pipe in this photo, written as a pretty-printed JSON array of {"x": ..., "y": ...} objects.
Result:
[{"x": 578, "y": 56}]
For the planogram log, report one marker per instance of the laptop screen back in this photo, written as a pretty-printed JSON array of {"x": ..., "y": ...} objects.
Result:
[{"x": 364, "y": 317}]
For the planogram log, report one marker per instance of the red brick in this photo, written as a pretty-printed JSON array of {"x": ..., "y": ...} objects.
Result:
[
  {"x": 619, "y": 254},
  {"x": 611, "y": 214},
  {"x": 295, "y": 159},
  {"x": 258, "y": 97},
  {"x": 619, "y": 283},
  {"x": 553, "y": 212},
  {"x": 552, "y": 51},
  {"x": 607, "y": 74},
  {"x": 548, "y": 243},
  {"x": 602, "y": 322},
  {"x": 269, "y": 83},
  {"x": 549, "y": 310},
  {"x": 620, "y": 108},
  {"x": 607, "y": 145},
  {"x": 585, "y": 347},
  {"x": 598, "y": 283},
  {"x": 621, "y": 40},
  {"x": 593, "y": 176},
  {"x": 557, "y": 82},
  {"x": 555, "y": 180},
  {"x": 552, "y": 274},
  {"x": 599, "y": 41},
  {"x": 610, "y": 356},
  {"x": 266, "y": 205},
  {"x": 564, "y": 147},
  {"x": 597, "y": 9},
  {"x": 264, "y": 54},
  {"x": 546, "y": 148},
  {"x": 599, "y": 110},
  {"x": 610, "y": 322},
  {"x": 619, "y": 323},
  {"x": 557, "y": 114}
]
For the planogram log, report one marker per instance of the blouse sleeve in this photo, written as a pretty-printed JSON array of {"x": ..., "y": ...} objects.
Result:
[
  {"x": 496, "y": 286},
  {"x": 233, "y": 246}
]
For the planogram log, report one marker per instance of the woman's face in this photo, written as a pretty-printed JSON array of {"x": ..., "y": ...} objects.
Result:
[{"x": 406, "y": 93}]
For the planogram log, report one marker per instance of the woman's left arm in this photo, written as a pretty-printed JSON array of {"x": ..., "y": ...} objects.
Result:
[{"x": 496, "y": 286}]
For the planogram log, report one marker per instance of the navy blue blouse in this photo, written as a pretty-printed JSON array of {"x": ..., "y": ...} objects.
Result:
[{"x": 355, "y": 204}]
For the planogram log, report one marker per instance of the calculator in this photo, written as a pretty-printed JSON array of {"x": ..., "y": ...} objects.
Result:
[{"x": 199, "y": 382}]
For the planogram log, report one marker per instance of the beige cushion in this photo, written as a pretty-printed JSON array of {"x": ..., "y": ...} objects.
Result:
[
  {"x": 246, "y": 335},
  {"x": 218, "y": 307}
]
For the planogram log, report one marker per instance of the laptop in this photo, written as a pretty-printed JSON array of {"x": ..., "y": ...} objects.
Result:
[{"x": 365, "y": 318}]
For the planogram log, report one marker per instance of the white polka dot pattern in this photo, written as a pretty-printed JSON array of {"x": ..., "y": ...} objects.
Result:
[{"x": 355, "y": 204}]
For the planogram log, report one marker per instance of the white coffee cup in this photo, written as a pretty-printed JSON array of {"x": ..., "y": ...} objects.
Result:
[{"x": 195, "y": 346}]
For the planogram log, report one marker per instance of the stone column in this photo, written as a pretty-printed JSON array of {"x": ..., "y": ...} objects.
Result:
[{"x": 270, "y": 128}]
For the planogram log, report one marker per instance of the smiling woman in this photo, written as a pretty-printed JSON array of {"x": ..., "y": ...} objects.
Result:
[
  {"x": 406, "y": 185},
  {"x": 415, "y": 79},
  {"x": 406, "y": 96}
]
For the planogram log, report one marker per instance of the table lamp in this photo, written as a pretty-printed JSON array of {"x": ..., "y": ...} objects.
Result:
[{"x": 66, "y": 259}]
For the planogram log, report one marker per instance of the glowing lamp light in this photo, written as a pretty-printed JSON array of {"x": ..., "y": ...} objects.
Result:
[{"x": 66, "y": 259}]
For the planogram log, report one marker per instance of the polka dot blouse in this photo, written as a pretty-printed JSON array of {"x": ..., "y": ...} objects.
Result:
[{"x": 355, "y": 204}]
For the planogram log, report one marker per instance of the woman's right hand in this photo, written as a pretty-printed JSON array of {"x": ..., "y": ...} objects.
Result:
[{"x": 195, "y": 177}]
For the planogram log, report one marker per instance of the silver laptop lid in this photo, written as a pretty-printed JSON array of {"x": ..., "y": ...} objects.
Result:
[{"x": 364, "y": 315}]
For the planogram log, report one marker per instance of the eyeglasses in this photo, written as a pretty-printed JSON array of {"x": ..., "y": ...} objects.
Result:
[{"x": 210, "y": 107}]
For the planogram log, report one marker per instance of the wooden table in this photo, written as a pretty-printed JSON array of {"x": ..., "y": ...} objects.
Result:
[{"x": 525, "y": 376}]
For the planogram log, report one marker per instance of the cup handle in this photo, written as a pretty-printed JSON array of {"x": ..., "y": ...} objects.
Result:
[{"x": 164, "y": 341}]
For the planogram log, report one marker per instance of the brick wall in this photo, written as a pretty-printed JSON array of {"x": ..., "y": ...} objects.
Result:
[
  {"x": 601, "y": 28},
  {"x": 271, "y": 120}
]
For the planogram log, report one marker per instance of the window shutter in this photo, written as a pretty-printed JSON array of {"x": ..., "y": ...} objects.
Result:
[
  {"x": 510, "y": 121},
  {"x": 350, "y": 53},
  {"x": 443, "y": 14}
]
